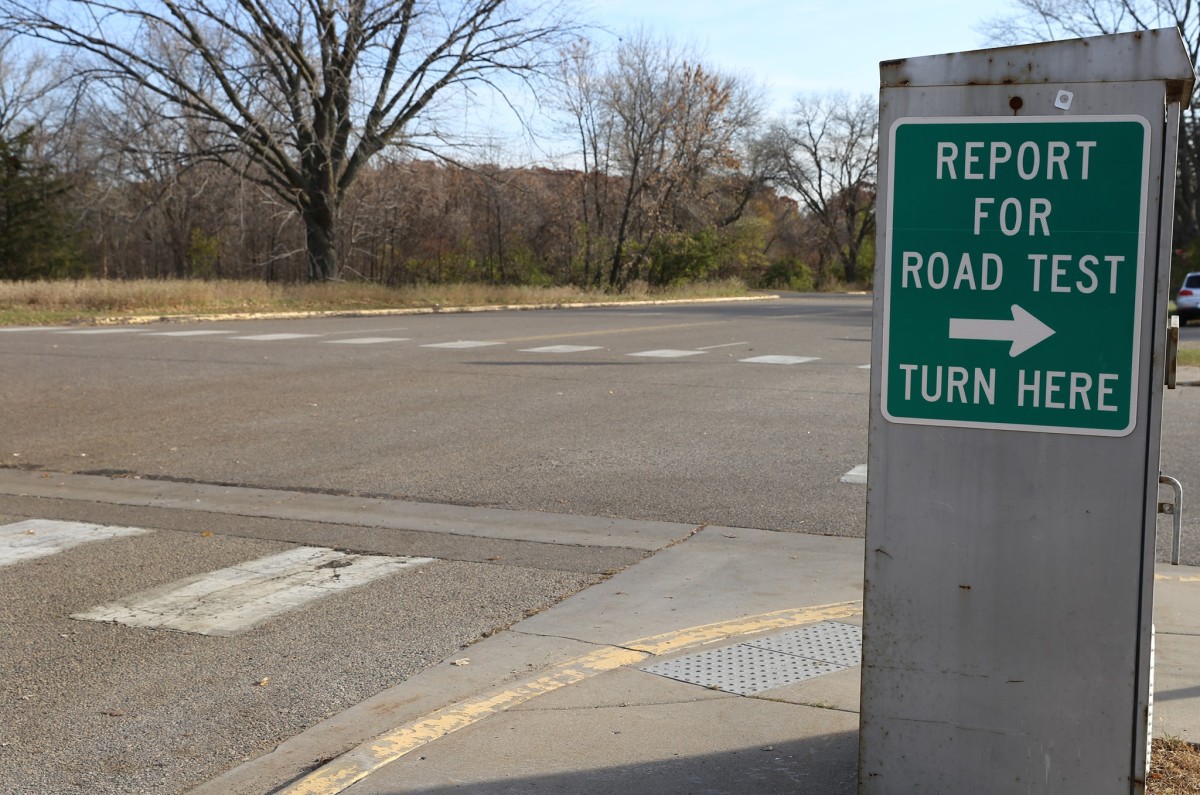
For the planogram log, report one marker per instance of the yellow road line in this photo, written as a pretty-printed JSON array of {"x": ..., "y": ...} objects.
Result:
[{"x": 359, "y": 763}]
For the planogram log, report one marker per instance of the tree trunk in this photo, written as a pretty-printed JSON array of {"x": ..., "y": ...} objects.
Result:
[
  {"x": 1187, "y": 192},
  {"x": 320, "y": 239},
  {"x": 614, "y": 273},
  {"x": 850, "y": 267}
]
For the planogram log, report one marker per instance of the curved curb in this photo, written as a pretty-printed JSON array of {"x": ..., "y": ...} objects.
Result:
[{"x": 358, "y": 763}]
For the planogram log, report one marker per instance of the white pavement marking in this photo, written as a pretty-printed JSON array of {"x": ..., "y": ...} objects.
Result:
[
  {"x": 780, "y": 359},
  {"x": 230, "y": 601},
  {"x": 121, "y": 330},
  {"x": 562, "y": 349},
  {"x": 667, "y": 353},
  {"x": 462, "y": 344},
  {"x": 274, "y": 337},
  {"x": 185, "y": 333},
  {"x": 864, "y": 367},
  {"x": 367, "y": 340},
  {"x": 38, "y": 538},
  {"x": 30, "y": 328},
  {"x": 725, "y": 345},
  {"x": 856, "y": 475}
]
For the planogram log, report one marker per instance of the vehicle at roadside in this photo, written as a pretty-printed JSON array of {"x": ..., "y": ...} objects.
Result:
[{"x": 1187, "y": 300}]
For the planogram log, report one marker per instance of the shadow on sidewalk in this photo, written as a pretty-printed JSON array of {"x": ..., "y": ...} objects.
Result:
[{"x": 824, "y": 765}]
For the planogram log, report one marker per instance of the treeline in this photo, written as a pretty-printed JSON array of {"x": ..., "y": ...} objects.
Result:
[
  {"x": 407, "y": 222},
  {"x": 307, "y": 140}
]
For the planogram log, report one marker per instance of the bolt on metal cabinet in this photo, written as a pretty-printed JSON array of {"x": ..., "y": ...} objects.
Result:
[{"x": 1024, "y": 224}]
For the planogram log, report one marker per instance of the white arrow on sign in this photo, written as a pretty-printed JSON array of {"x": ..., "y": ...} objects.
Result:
[{"x": 1023, "y": 331}]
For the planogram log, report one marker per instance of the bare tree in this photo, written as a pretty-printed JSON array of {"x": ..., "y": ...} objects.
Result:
[
  {"x": 656, "y": 128},
  {"x": 581, "y": 98},
  {"x": 27, "y": 79},
  {"x": 309, "y": 90},
  {"x": 826, "y": 153},
  {"x": 1037, "y": 20}
]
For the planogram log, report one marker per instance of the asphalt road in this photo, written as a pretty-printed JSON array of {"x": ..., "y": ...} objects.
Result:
[{"x": 704, "y": 438}]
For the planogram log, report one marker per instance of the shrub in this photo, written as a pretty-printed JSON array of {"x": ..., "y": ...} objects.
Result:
[{"x": 789, "y": 274}]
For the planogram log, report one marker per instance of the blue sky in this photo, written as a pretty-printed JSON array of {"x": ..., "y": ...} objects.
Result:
[
  {"x": 787, "y": 47},
  {"x": 793, "y": 46}
]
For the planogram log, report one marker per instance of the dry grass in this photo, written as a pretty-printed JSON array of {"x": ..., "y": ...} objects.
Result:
[
  {"x": 1174, "y": 768},
  {"x": 1189, "y": 357},
  {"x": 93, "y": 300}
]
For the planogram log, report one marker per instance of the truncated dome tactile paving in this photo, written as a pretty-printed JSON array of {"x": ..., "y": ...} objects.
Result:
[{"x": 767, "y": 663}]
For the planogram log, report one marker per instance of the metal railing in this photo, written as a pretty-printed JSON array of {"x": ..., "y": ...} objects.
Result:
[{"x": 1174, "y": 508}]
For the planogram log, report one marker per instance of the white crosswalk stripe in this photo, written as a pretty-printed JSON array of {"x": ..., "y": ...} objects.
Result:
[
  {"x": 274, "y": 337},
  {"x": 193, "y": 333},
  {"x": 38, "y": 538},
  {"x": 366, "y": 340},
  {"x": 225, "y": 602},
  {"x": 779, "y": 359},
  {"x": 232, "y": 600},
  {"x": 857, "y": 475},
  {"x": 562, "y": 349},
  {"x": 462, "y": 344},
  {"x": 667, "y": 353}
]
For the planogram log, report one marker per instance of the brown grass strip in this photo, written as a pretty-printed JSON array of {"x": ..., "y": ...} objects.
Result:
[
  {"x": 1174, "y": 768},
  {"x": 99, "y": 300}
]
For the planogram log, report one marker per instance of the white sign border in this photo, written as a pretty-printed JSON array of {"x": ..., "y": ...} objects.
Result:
[{"x": 1141, "y": 263}]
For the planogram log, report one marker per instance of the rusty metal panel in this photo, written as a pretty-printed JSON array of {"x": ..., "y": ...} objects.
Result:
[
  {"x": 1153, "y": 55},
  {"x": 1006, "y": 641}
]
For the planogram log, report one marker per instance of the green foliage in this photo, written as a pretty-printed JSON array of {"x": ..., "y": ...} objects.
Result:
[
  {"x": 789, "y": 274},
  {"x": 677, "y": 258},
  {"x": 536, "y": 277},
  {"x": 35, "y": 237},
  {"x": 866, "y": 263},
  {"x": 743, "y": 248},
  {"x": 202, "y": 254}
]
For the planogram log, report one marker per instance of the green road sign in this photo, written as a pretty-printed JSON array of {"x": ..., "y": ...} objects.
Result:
[{"x": 1014, "y": 261}]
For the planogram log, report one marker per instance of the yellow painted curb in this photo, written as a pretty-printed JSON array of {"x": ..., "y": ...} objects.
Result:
[
  {"x": 1173, "y": 578},
  {"x": 670, "y": 642},
  {"x": 360, "y": 762}
]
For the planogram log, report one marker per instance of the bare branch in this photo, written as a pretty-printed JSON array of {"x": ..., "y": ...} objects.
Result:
[{"x": 310, "y": 90}]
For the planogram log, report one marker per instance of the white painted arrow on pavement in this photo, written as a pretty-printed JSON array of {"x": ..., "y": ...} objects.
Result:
[{"x": 1023, "y": 331}]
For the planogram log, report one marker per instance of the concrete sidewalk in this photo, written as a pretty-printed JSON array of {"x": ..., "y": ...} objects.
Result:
[{"x": 563, "y": 701}]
